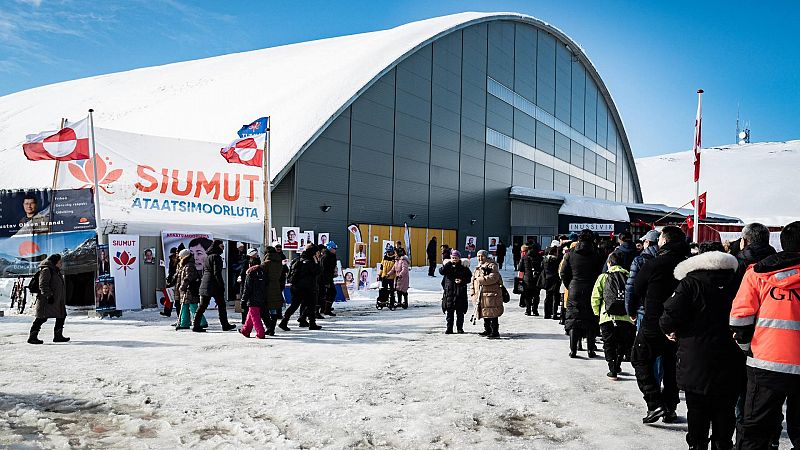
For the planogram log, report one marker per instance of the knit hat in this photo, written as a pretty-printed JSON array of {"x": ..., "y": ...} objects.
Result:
[
  {"x": 483, "y": 252},
  {"x": 184, "y": 253},
  {"x": 252, "y": 253},
  {"x": 331, "y": 245},
  {"x": 455, "y": 253}
]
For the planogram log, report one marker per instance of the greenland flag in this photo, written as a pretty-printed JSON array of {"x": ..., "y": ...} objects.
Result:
[
  {"x": 248, "y": 151},
  {"x": 68, "y": 144}
]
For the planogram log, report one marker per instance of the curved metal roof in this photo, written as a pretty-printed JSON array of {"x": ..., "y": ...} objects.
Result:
[{"x": 303, "y": 87}]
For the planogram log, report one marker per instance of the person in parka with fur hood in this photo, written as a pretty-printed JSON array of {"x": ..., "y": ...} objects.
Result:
[
  {"x": 457, "y": 277},
  {"x": 710, "y": 365},
  {"x": 487, "y": 294}
]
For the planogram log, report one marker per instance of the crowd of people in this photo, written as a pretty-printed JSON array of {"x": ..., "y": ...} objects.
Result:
[{"x": 720, "y": 322}]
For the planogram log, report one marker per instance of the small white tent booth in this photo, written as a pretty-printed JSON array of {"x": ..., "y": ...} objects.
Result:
[{"x": 149, "y": 186}]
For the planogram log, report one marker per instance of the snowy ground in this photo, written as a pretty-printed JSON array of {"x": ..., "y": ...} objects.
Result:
[{"x": 369, "y": 379}]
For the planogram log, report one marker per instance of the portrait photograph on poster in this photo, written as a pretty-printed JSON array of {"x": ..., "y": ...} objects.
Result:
[
  {"x": 103, "y": 260},
  {"x": 493, "y": 240},
  {"x": 149, "y": 256},
  {"x": 105, "y": 298},
  {"x": 364, "y": 278},
  {"x": 197, "y": 243},
  {"x": 350, "y": 276},
  {"x": 308, "y": 236},
  {"x": 323, "y": 238},
  {"x": 360, "y": 254},
  {"x": 291, "y": 238},
  {"x": 386, "y": 245},
  {"x": 470, "y": 245}
]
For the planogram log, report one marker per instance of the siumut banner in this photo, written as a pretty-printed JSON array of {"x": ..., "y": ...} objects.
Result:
[{"x": 149, "y": 183}]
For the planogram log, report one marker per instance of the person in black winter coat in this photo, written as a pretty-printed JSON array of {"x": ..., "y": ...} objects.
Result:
[
  {"x": 579, "y": 270},
  {"x": 655, "y": 283},
  {"x": 501, "y": 254},
  {"x": 710, "y": 365},
  {"x": 304, "y": 274},
  {"x": 531, "y": 266},
  {"x": 755, "y": 243},
  {"x": 457, "y": 277},
  {"x": 327, "y": 290},
  {"x": 516, "y": 253},
  {"x": 213, "y": 286},
  {"x": 552, "y": 283},
  {"x": 627, "y": 251},
  {"x": 430, "y": 252},
  {"x": 633, "y": 304}
]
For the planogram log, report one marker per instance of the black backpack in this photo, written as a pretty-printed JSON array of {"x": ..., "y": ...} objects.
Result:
[
  {"x": 614, "y": 294},
  {"x": 294, "y": 268},
  {"x": 33, "y": 285}
]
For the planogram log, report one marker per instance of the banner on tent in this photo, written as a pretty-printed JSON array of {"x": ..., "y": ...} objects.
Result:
[
  {"x": 147, "y": 182},
  {"x": 21, "y": 255},
  {"x": 40, "y": 211},
  {"x": 124, "y": 250}
]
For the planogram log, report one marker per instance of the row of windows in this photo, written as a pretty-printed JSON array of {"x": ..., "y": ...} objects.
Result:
[
  {"x": 519, "y": 148},
  {"x": 521, "y": 103}
]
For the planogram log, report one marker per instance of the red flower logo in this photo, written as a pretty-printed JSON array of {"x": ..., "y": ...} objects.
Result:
[
  {"x": 85, "y": 173},
  {"x": 125, "y": 261}
]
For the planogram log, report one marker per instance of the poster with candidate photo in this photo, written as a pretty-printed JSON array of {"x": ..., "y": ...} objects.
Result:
[
  {"x": 364, "y": 278},
  {"x": 360, "y": 254},
  {"x": 197, "y": 243},
  {"x": 291, "y": 238},
  {"x": 350, "y": 280},
  {"x": 149, "y": 256},
  {"x": 493, "y": 240},
  {"x": 105, "y": 298},
  {"x": 40, "y": 211},
  {"x": 21, "y": 255},
  {"x": 470, "y": 245},
  {"x": 323, "y": 238},
  {"x": 103, "y": 260},
  {"x": 308, "y": 238}
]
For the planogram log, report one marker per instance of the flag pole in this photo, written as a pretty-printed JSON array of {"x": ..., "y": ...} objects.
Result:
[
  {"x": 100, "y": 237},
  {"x": 697, "y": 146},
  {"x": 267, "y": 191}
]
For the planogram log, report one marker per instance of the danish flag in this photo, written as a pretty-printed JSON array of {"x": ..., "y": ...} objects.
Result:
[
  {"x": 701, "y": 210},
  {"x": 248, "y": 151},
  {"x": 68, "y": 144}
]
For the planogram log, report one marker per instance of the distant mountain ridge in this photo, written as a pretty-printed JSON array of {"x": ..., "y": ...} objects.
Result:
[{"x": 757, "y": 182}]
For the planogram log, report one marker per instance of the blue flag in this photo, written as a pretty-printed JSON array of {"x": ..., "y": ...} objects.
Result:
[{"x": 259, "y": 126}]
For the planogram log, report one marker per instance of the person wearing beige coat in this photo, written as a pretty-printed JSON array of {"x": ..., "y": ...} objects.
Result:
[{"x": 487, "y": 294}]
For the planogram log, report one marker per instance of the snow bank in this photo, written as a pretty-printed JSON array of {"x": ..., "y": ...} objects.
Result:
[{"x": 755, "y": 182}]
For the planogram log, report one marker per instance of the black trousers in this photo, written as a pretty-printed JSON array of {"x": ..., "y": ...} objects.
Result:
[
  {"x": 617, "y": 342},
  {"x": 532, "y": 299},
  {"x": 38, "y": 322},
  {"x": 646, "y": 349},
  {"x": 575, "y": 336},
  {"x": 389, "y": 284},
  {"x": 293, "y": 306},
  {"x": 766, "y": 393},
  {"x": 330, "y": 297},
  {"x": 222, "y": 309},
  {"x": 500, "y": 260},
  {"x": 431, "y": 267},
  {"x": 551, "y": 301},
  {"x": 402, "y": 298},
  {"x": 714, "y": 411},
  {"x": 308, "y": 303},
  {"x": 459, "y": 319}
]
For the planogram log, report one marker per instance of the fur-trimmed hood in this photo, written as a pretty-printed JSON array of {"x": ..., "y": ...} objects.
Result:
[{"x": 706, "y": 261}]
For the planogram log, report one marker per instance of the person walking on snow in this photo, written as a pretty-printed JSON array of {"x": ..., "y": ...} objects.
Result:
[
  {"x": 327, "y": 290},
  {"x": 430, "y": 252},
  {"x": 51, "y": 300},
  {"x": 710, "y": 367},
  {"x": 531, "y": 267},
  {"x": 487, "y": 294},
  {"x": 387, "y": 274},
  {"x": 579, "y": 270},
  {"x": 608, "y": 303},
  {"x": 187, "y": 289},
  {"x": 401, "y": 280},
  {"x": 457, "y": 277},
  {"x": 501, "y": 254},
  {"x": 255, "y": 294},
  {"x": 552, "y": 283},
  {"x": 276, "y": 282}
]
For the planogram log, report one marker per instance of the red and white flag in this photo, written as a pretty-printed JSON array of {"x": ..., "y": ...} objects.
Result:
[
  {"x": 698, "y": 126},
  {"x": 68, "y": 144},
  {"x": 701, "y": 210},
  {"x": 248, "y": 150}
]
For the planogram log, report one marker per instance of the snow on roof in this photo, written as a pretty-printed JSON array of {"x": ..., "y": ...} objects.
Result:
[
  {"x": 301, "y": 86},
  {"x": 756, "y": 182}
]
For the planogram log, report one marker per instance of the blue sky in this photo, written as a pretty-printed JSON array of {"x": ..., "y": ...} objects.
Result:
[{"x": 652, "y": 55}]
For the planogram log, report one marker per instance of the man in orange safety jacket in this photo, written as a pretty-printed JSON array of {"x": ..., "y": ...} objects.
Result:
[{"x": 765, "y": 319}]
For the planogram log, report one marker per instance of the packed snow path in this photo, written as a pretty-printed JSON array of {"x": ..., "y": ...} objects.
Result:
[{"x": 369, "y": 379}]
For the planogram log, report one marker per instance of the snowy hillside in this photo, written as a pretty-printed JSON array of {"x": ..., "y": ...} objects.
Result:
[{"x": 755, "y": 182}]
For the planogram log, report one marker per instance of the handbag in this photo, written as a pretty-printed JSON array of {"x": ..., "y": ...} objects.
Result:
[
  {"x": 506, "y": 295},
  {"x": 517, "y": 285},
  {"x": 541, "y": 280}
]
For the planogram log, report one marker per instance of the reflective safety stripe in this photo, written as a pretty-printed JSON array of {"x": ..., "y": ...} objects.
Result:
[
  {"x": 779, "y": 323},
  {"x": 745, "y": 347},
  {"x": 742, "y": 321},
  {"x": 773, "y": 366}
]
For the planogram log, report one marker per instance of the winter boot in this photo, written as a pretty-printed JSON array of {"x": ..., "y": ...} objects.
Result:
[
  {"x": 302, "y": 323},
  {"x": 495, "y": 331},
  {"x": 487, "y": 328},
  {"x": 58, "y": 332},
  {"x": 33, "y": 337},
  {"x": 314, "y": 326},
  {"x": 284, "y": 325},
  {"x": 654, "y": 414},
  {"x": 670, "y": 416}
]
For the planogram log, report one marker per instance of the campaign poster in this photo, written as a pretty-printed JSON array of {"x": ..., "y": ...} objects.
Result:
[
  {"x": 338, "y": 274},
  {"x": 291, "y": 238},
  {"x": 353, "y": 228},
  {"x": 350, "y": 277},
  {"x": 364, "y": 278},
  {"x": 125, "y": 269},
  {"x": 386, "y": 246},
  {"x": 470, "y": 245},
  {"x": 308, "y": 237},
  {"x": 197, "y": 243},
  {"x": 105, "y": 298},
  {"x": 493, "y": 240},
  {"x": 28, "y": 212},
  {"x": 323, "y": 238},
  {"x": 360, "y": 254},
  {"x": 162, "y": 298},
  {"x": 103, "y": 260},
  {"x": 21, "y": 255},
  {"x": 149, "y": 256}
]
